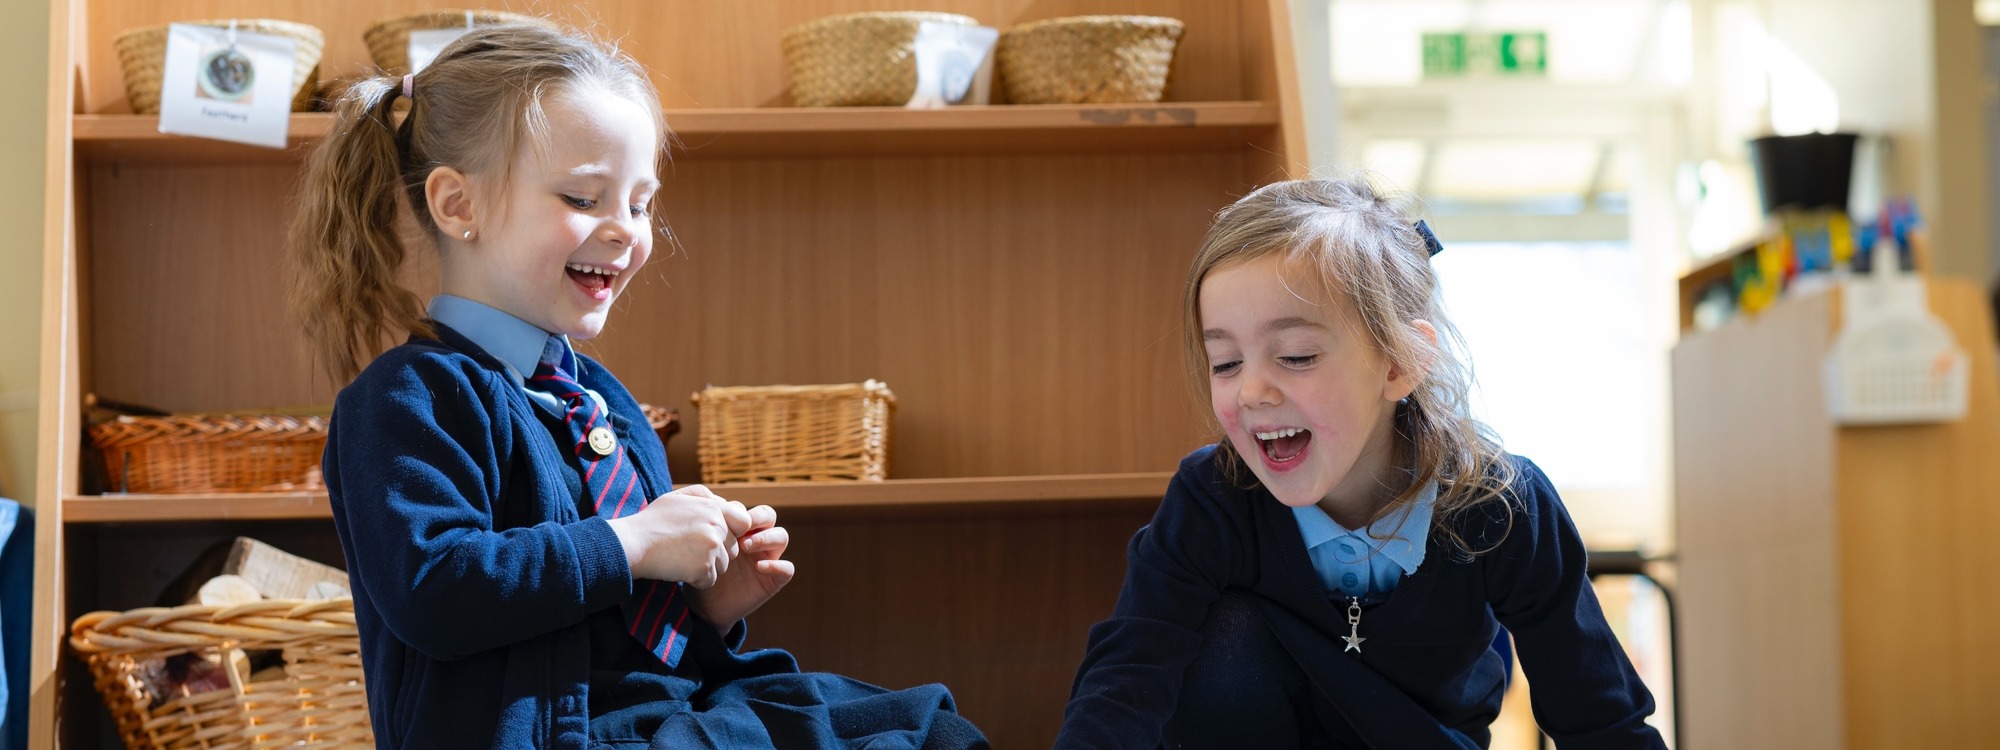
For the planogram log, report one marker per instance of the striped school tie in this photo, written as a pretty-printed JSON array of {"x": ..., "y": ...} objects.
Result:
[{"x": 657, "y": 613}]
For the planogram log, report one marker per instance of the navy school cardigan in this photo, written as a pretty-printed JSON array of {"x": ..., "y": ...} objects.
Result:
[
  {"x": 1427, "y": 676},
  {"x": 473, "y": 572}
]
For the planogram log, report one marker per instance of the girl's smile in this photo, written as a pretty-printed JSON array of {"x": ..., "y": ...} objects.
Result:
[
  {"x": 1284, "y": 448},
  {"x": 594, "y": 280}
]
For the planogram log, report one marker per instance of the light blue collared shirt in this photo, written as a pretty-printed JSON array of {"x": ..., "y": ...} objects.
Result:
[
  {"x": 518, "y": 344},
  {"x": 1370, "y": 561}
]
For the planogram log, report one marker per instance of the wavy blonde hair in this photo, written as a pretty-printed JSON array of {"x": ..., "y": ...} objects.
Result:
[
  {"x": 1363, "y": 246},
  {"x": 473, "y": 109}
]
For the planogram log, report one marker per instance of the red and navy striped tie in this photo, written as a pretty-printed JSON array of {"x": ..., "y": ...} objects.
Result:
[{"x": 657, "y": 613}]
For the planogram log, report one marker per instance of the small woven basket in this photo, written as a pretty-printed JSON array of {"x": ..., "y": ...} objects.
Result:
[
  {"x": 795, "y": 433},
  {"x": 320, "y": 702},
  {"x": 234, "y": 453},
  {"x": 389, "y": 39},
  {"x": 857, "y": 59},
  {"x": 142, "y": 52},
  {"x": 1088, "y": 59}
]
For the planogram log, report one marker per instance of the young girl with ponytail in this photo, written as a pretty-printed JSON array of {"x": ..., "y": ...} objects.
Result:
[{"x": 525, "y": 575}]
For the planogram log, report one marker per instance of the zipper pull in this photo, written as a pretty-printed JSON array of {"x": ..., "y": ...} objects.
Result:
[{"x": 1353, "y": 636}]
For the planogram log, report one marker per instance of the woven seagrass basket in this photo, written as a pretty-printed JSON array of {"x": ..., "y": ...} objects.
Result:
[
  {"x": 389, "y": 39},
  {"x": 234, "y": 453},
  {"x": 142, "y": 52},
  {"x": 795, "y": 433},
  {"x": 1088, "y": 59},
  {"x": 320, "y": 702},
  {"x": 857, "y": 59},
  {"x": 211, "y": 453}
]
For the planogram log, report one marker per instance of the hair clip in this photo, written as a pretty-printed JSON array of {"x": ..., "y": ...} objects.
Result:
[
  {"x": 1430, "y": 240},
  {"x": 410, "y": 86}
]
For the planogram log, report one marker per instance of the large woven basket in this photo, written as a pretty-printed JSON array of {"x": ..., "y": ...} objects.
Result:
[
  {"x": 389, "y": 39},
  {"x": 234, "y": 453},
  {"x": 142, "y": 52},
  {"x": 795, "y": 433},
  {"x": 1088, "y": 59},
  {"x": 211, "y": 453},
  {"x": 319, "y": 703},
  {"x": 857, "y": 59}
]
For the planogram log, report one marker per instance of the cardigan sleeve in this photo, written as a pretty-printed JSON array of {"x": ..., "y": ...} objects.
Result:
[
  {"x": 1586, "y": 694},
  {"x": 415, "y": 463},
  {"x": 1176, "y": 568}
]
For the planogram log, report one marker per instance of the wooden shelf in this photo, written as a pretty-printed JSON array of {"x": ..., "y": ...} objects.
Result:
[
  {"x": 845, "y": 131},
  {"x": 894, "y": 493}
]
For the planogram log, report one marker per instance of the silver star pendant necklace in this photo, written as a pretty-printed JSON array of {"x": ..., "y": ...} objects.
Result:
[{"x": 1353, "y": 636}]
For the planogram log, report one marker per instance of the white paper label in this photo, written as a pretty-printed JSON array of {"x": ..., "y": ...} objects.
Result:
[
  {"x": 954, "y": 64},
  {"x": 427, "y": 43},
  {"x": 227, "y": 84}
]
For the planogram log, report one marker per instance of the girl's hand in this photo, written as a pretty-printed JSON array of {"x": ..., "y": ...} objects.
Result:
[
  {"x": 754, "y": 579},
  {"x": 687, "y": 535}
]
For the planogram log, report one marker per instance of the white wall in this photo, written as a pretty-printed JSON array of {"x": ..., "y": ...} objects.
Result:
[{"x": 24, "y": 46}]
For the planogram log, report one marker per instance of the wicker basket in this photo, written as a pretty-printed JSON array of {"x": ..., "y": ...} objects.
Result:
[
  {"x": 795, "y": 433},
  {"x": 211, "y": 453},
  {"x": 319, "y": 703},
  {"x": 234, "y": 453},
  {"x": 1088, "y": 59},
  {"x": 857, "y": 59},
  {"x": 143, "y": 54},
  {"x": 389, "y": 39}
]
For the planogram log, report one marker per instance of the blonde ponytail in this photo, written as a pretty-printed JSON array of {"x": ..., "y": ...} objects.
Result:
[{"x": 345, "y": 250}]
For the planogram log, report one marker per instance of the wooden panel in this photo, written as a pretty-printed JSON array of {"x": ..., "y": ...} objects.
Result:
[
  {"x": 1918, "y": 504},
  {"x": 1760, "y": 627},
  {"x": 1038, "y": 338},
  {"x": 60, "y": 381},
  {"x": 188, "y": 303},
  {"x": 1271, "y": 74},
  {"x": 700, "y": 53},
  {"x": 998, "y": 608}
]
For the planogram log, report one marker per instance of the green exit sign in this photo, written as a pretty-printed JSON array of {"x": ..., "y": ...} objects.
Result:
[{"x": 1458, "y": 54}]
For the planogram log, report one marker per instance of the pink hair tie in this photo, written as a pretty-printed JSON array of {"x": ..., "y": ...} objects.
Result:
[{"x": 409, "y": 86}]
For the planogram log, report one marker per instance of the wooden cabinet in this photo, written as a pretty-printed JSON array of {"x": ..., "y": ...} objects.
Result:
[
  {"x": 1012, "y": 271},
  {"x": 1836, "y": 584}
]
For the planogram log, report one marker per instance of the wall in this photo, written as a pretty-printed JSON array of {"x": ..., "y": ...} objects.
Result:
[
  {"x": 1913, "y": 71},
  {"x": 24, "y": 51}
]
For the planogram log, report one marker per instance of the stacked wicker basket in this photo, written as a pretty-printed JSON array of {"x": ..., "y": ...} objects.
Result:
[{"x": 868, "y": 59}]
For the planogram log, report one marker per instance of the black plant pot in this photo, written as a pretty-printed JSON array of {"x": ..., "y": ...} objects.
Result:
[{"x": 1804, "y": 171}]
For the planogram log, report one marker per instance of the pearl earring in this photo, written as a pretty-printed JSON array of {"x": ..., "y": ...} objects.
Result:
[{"x": 468, "y": 234}]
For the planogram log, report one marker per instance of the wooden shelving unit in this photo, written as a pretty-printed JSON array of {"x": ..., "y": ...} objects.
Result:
[
  {"x": 1835, "y": 583},
  {"x": 1012, "y": 271}
]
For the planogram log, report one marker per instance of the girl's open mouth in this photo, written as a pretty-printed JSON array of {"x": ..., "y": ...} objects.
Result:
[
  {"x": 1284, "y": 446},
  {"x": 595, "y": 280}
]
